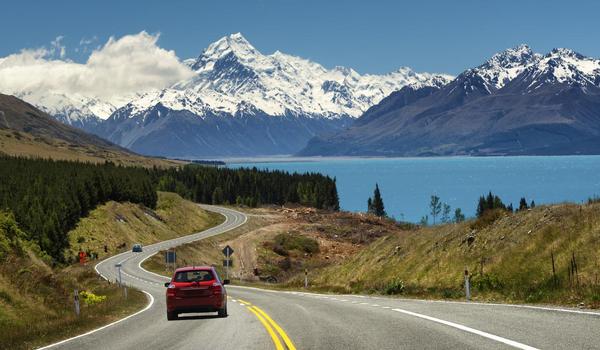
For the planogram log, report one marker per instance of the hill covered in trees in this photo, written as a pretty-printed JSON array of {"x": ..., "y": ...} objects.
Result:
[{"x": 49, "y": 197}]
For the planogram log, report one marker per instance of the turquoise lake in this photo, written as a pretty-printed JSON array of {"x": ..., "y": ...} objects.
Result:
[{"x": 407, "y": 183}]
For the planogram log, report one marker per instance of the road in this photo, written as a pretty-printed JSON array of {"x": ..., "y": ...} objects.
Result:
[{"x": 263, "y": 319}]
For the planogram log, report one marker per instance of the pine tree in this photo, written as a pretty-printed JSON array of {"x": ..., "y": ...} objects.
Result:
[
  {"x": 481, "y": 206},
  {"x": 523, "y": 204},
  {"x": 377, "y": 203}
]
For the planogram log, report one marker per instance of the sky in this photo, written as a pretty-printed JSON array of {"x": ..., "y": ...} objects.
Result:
[{"x": 445, "y": 36}]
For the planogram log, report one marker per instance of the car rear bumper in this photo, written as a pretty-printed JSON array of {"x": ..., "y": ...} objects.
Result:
[{"x": 195, "y": 304}]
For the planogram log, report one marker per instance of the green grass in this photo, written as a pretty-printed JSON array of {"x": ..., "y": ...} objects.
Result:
[
  {"x": 120, "y": 225},
  {"x": 36, "y": 301}
]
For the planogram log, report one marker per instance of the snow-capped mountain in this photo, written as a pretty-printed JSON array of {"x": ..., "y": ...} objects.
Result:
[
  {"x": 72, "y": 109},
  {"x": 560, "y": 66},
  {"x": 237, "y": 88},
  {"x": 517, "y": 102},
  {"x": 506, "y": 65},
  {"x": 231, "y": 71}
]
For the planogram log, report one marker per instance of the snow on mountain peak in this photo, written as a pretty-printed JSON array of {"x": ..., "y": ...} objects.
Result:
[
  {"x": 234, "y": 44},
  {"x": 564, "y": 66},
  {"x": 504, "y": 66},
  {"x": 232, "y": 69}
]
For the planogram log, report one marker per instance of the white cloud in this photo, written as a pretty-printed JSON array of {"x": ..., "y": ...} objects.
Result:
[{"x": 121, "y": 67}]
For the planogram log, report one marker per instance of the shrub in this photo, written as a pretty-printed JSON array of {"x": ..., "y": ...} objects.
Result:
[
  {"x": 487, "y": 282},
  {"x": 488, "y": 218},
  {"x": 296, "y": 242},
  {"x": 395, "y": 286},
  {"x": 90, "y": 298},
  {"x": 280, "y": 250}
]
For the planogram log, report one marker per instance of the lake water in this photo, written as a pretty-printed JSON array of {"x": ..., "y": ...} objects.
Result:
[{"x": 407, "y": 183}]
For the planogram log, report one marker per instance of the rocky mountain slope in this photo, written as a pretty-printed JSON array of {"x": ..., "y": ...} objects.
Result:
[{"x": 516, "y": 103}]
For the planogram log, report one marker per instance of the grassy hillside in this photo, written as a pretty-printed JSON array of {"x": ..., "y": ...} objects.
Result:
[
  {"x": 36, "y": 302},
  {"x": 508, "y": 255},
  {"x": 119, "y": 225},
  {"x": 28, "y": 132}
]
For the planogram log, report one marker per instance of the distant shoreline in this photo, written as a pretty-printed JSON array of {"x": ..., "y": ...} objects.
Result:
[{"x": 292, "y": 159}]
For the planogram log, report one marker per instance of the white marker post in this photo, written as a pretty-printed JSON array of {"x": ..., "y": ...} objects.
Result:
[
  {"x": 118, "y": 266},
  {"x": 467, "y": 285},
  {"x": 305, "y": 278},
  {"x": 76, "y": 300}
]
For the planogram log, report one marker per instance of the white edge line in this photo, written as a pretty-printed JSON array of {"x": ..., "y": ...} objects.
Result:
[
  {"x": 532, "y": 307},
  {"x": 470, "y": 330},
  {"x": 150, "y": 303}
]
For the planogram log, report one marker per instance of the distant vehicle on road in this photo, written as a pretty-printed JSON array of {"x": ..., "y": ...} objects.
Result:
[
  {"x": 137, "y": 248},
  {"x": 196, "y": 289}
]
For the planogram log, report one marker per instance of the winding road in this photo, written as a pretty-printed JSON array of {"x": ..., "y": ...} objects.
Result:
[{"x": 265, "y": 319}]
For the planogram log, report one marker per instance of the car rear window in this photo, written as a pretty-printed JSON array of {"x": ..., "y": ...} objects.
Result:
[{"x": 194, "y": 276}]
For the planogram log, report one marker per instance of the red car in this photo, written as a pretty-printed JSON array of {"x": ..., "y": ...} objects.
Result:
[{"x": 196, "y": 289}]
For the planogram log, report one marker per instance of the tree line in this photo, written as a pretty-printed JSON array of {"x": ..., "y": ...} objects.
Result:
[
  {"x": 48, "y": 197},
  {"x": 441, "y": 212},
  {"x": 249, "y": 186}
]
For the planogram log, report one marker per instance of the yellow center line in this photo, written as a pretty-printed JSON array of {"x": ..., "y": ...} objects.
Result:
[
  {"x": 284, "y": 336},
  {"x": 244, "y": 302},
  {"x": 274, "y": 337}
]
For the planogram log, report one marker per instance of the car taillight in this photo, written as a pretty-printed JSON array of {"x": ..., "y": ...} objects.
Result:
[
  {"x": 171, "y": 290},
  {"x": 216, "y": 288}
]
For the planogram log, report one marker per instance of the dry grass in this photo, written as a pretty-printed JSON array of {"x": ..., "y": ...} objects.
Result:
[
  {"x": 22, "y": 144},
  {"x": 509, "y": 259}
]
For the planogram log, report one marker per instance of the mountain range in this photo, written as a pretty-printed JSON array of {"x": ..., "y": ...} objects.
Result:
[
  {"x": 240, "y": 102},
  {"x": 517, "y": 103}
]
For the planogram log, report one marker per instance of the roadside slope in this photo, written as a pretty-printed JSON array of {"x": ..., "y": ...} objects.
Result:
[
  {"x": 120, "y": 225},
  {"x": 508, "y": 256}
]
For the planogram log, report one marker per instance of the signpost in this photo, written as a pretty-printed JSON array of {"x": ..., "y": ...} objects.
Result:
[
  {"x": 170, "y": 258},
  {"x": 227, "y": 251}
]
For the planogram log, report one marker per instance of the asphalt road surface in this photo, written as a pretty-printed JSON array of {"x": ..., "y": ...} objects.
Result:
[{"x": 263, "y": 319}]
